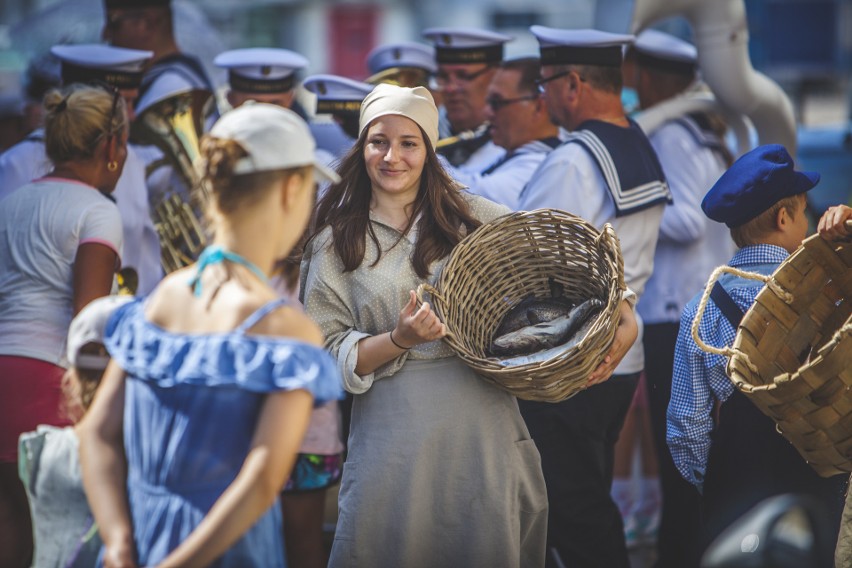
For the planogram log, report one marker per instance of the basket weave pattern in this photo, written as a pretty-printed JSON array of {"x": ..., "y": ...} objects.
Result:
[
  {"x": 511, "y": 258},
  {"x": 793, "y": 359}
]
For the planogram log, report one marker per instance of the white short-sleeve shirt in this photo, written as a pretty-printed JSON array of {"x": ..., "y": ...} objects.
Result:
[
  {"x": 27, "y": 161},
  {"x": 42, "y": 224}
]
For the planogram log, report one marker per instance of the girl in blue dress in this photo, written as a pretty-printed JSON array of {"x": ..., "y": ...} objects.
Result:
[{"x": 200, "y": 415}]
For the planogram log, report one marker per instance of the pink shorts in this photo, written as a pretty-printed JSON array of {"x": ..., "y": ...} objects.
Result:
[{"x": 30, "y": 394}]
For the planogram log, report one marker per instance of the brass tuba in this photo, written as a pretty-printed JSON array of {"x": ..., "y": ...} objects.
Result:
[
  {"x": 401, "y": 77},
  {"x": 176, "y": 195}
]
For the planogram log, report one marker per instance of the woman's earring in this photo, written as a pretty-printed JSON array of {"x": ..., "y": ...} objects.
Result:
[{"x": 112, "y": 165}]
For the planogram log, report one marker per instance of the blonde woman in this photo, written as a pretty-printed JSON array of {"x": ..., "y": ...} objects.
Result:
[
  {"x": 198, "y": 420},
  {"x": 60, "y": 244}
]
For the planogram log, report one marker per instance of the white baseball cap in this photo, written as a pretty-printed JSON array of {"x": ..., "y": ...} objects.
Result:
[
  {"x": 89, "y": 326},
  {"x": 275, "y": 138}
]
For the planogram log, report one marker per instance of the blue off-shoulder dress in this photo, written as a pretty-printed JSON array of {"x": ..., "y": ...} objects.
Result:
[{"x": 191, "y": 406}]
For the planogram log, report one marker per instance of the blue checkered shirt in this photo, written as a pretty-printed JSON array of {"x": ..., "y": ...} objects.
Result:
[{"x": 699, "y": 378}]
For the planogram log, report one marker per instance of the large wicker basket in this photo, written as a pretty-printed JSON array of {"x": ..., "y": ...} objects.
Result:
[
  {"x": 516, "y": 256},
  {"x": 792, "y": 355}
]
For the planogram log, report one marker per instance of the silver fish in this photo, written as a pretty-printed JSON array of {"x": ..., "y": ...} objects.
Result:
[
  {"x": 547, "y": 354},
  {"x": 533, "y": 310},
  {"x": 547, "y": 334}
]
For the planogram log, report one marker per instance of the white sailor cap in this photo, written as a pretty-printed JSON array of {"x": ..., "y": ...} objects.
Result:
[
  {"x": 402, "y": 54},
  {"x": 261, "y": 69},
  {"x": 665, "y": 52},
  {"x": 164, "y": 87},
  {"x": 337, "y": 95},
  {"x": 93, "y": 63},
  {"x": 467, "y": 45},
  {"x": 580, "y": 47}
]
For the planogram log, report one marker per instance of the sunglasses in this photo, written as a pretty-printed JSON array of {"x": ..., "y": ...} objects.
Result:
[
  {"x": 540, "y": 83},
  {"x": 113, "y": 90},
  {"x": 496, "y": 103}
]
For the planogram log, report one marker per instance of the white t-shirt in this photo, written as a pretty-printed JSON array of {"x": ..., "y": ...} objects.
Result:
[
  {"x": 27, "y": 161},
  {"x": 42, "y": 224}
]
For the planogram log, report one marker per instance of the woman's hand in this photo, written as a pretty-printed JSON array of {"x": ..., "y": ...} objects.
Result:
[
  {"x": 832, "y": 225},
  {"x": 417, "y": 325},
  {"x": 625, "y": 334}
]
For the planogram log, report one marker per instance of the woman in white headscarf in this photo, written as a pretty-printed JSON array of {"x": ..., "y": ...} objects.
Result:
[{"x": 441, "y": 469}]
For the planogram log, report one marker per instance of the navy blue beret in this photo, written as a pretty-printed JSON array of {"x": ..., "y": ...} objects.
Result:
[{"x": 754, "y": 183}]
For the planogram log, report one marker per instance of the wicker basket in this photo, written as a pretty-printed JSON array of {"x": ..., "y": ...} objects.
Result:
[
  {"x": 515, "y": 256},
  {"x": 792, "y": 355}
]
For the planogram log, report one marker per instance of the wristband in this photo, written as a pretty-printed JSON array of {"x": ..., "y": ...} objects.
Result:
[{"x": 397, "y": 344}]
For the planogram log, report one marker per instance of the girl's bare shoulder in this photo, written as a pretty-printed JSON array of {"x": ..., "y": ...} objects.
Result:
[{"x": 289, "y": 322}]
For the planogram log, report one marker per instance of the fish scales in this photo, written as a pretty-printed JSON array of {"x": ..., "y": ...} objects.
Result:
[{"x": 533, "y": 310}]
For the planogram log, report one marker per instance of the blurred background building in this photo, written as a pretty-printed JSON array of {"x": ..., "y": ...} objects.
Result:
[{"x": 804, "y": 45}]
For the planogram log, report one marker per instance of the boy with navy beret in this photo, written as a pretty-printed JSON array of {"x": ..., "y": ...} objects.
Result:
[{"x": 720, "y": 442}]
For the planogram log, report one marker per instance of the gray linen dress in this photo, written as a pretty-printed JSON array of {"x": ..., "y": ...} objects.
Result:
[{"x": 441, "y": 469}]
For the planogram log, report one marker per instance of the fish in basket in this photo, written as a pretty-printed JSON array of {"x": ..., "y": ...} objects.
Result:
[
  {"x": 536, "y": 325},
  {"x": 530, "y": 301},
  {"x": 792, "y": 351}
]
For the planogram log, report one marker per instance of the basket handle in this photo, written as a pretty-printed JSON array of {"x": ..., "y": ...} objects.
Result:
[
  {"x": 432, "y": 291},
  {"x": 702, "y": 306},
  {"x": 428, "y": 289},
  {"x": 612, "y": 249}
]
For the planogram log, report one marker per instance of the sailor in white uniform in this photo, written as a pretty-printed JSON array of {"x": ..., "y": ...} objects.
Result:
[
  {"x": 171, "y": 78},
  {"x": 693, "y": 157},
  {"x": 149, "y": 25},
  {"x": 520, "y": 125},
  {"x": 339, "y": 99},
  {"x": 467, "y": 60},
  {"x": 690, "y": 246},
  {"x": 606, "y": 172},
  {"x": 265, "y": 75},
  {"x": 261, "y": 74},
  {"x": 120, "y": 69}
]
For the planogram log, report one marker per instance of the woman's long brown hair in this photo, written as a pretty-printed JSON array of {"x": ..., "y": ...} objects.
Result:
[{"x": 445, "y": 217}]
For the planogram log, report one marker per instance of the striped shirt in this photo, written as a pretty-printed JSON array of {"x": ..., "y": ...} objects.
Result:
[{"x": 699, "y": 378}]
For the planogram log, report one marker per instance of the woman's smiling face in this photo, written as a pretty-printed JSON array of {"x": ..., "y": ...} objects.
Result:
[{"x": 395, "y": 153}]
